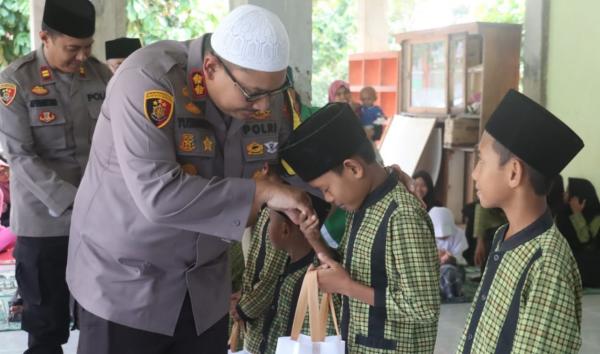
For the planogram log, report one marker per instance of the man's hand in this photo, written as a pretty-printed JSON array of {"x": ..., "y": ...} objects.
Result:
[
  {"x": 408, "y": 182},
  {"x": 281, "y": 197}
]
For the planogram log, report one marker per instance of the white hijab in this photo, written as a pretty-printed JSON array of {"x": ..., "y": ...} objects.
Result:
[{"x": 448, "y": 236}]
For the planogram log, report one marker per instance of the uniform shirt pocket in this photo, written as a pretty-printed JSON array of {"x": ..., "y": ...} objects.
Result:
[
  {"x": 260, "y": 148},
  {"x": 47, "y": 121},
  {"x": 199, "y": 142}
]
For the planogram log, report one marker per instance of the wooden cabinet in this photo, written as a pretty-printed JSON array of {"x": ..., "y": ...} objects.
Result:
[
  {"x": 381, "y": 70},
  {"x": 458, "y": 73}
]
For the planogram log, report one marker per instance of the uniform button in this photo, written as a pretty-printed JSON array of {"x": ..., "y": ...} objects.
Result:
[
  {"x": 496, "y": 257},
  {"x": 470, "y": 337},
  {"x": 483, "y": 297},
  {"x": 236, "y": 223}
]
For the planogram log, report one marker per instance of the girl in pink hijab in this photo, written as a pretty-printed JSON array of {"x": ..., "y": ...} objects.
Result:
[
  {"x": 7, "y": 238},
  {"x": 339, "y": 91}
]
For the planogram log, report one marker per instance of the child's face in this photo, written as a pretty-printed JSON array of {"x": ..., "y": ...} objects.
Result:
[
  {"x": 367, "y": 99},
  {"x": 4, "y": 174},
  {"x": 278, "y": 230},
  {"x": 491, "y": 180},
  {"x": 346, "y": 190},
  {"x": 420, "y": 187}
]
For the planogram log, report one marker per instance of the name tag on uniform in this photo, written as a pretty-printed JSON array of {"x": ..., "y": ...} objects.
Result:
[
  {"x": 267, "y": 127},
  {"x": 50, "y": 102}
]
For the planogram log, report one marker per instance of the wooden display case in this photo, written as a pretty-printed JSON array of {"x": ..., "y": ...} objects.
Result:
[
  {"x": 459, "y": 72},
  {"x": 381, "y": 71}
]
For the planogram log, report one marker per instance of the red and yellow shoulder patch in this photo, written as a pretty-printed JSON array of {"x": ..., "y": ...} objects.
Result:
[
  {"x": 158, "y": 107},
  {"x": 8, "y": 92}
]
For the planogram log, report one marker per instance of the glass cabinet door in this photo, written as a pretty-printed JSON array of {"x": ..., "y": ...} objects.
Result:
[
  {"x": 457, "y": 66},
  {"x": 428, "y": 75}
]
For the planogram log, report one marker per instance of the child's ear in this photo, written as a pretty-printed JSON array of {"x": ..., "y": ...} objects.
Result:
[
  {"x": 355, "y": 168},
  {"x": 516, "y": 171}
]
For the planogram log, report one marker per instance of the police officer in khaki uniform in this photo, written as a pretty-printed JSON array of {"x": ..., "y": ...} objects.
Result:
[
  {"x": 184, "y": 127},
  {"x": 50, "y": 101}
]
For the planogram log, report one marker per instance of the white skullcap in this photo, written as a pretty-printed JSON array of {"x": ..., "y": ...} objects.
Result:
[
  {"x": 443, "y": 222},
  {"x": 252, "y": 38}
]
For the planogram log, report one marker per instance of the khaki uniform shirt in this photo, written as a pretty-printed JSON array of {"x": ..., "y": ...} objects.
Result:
[
  {"x": 46, "y": 127},
  {"x": 166, "y": 187}
]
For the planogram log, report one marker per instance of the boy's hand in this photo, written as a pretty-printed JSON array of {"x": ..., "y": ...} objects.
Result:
[
  {"x": 309, "y": 225},
  {"x": 332, "y": 277},
  {"x": 233, "y": 301}
]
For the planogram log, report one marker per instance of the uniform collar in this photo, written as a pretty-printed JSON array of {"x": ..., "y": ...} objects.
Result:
[
  {"x": 538, "y": 227},
  {"x": 390, "y": 183},
  {"x": 47, "y": 75},
  {"x": 299, "y": 264}
]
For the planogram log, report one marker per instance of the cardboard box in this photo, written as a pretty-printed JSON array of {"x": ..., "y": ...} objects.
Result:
[{"x": 461, "y": 132}]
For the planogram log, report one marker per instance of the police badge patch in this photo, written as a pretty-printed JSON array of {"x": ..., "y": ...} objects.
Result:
[
  {"x": 8, "y": 92},
  {"x": 158, "y": 107}
]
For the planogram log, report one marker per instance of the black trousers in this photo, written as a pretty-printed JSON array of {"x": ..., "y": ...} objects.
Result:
[
  {"x": 41, "y": 264},
  {"x": 99, "y": 336}
]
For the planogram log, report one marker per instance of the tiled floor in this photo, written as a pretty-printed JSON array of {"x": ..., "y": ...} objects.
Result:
[{"x": 450, "y": 328}]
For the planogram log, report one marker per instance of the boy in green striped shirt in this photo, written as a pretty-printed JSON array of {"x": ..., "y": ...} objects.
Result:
[
  {"x": 529, "y": 298},
  {"x": 390, "y": 272}
]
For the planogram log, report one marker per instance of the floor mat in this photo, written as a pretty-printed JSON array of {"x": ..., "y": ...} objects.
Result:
[{"x": 8, "y": 287}]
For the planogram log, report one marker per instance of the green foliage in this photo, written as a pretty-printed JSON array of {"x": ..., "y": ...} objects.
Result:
[
  {"x": 334, "y": 26},
  {"x": 508, "y": 11},
  {"x": 154, "y": 20},
  {"x": 14, "y": 30}
]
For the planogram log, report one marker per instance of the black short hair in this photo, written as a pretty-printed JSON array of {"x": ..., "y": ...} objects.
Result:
[
  {"x": 365, "y": 152},
  {"x": 51, "y": 32},
  {"x": 541, "y": 184}
]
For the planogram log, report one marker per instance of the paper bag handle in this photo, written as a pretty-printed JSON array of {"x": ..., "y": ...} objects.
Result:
[
  {"x": 234, "y": 336},
  {"x": 308, "y": 300}
]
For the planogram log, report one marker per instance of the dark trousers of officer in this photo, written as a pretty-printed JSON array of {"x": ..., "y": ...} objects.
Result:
[
  {"x": 99, "y": 336},
  {"x": 40, "y": 272}
]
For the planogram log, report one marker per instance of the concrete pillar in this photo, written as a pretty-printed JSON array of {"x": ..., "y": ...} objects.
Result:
[
  {"x": 373, "y": 30},
  {"x": 535, "y": 49},
  {"x": 111, "y": 22},
  {"x": 297, "y": 18}
]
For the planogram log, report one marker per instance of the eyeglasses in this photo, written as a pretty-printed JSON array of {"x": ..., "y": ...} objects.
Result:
[{"x": 251, "y": 97}]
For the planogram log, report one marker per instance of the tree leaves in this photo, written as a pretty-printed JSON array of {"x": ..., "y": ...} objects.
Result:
[
  {"x": 14, "y": 30},
  {"x": 334, "y": 25},
  {"x": 153, "y": 20}
]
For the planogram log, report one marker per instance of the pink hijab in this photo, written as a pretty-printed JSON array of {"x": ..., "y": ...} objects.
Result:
[{"x": 336, "y": 86}]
